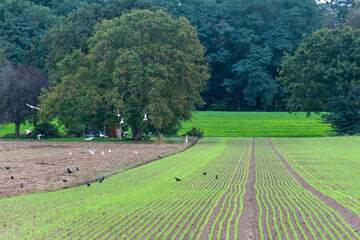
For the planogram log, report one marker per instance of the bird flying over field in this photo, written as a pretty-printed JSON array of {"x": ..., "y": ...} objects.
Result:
[
  {"x": 109, "y": 150},
  {"x": 88, "y": 184},
  {"x": 122, "y": 121},
  {"x": 136, "y": 152},
  {"x": 69, "y": 171},
  {"x": 102, "y": 178},
  {"x": 32, "y": 106},
  {"x": 28, "y": 131},
  {"x": 92, "y": 152},
  {"x": 124, "y": 134},
  {"x": 145, "y": 117},
  {"x": 70, "y": 153},
  {"x": 88, "y": 139},
  {"x": 39, "y": 136},
  {"x": 102, "y": 135},
  {"x": 177, "y": 179},
  {"x": 102, "y": 152},
  {"x": 64, "y": 180},
  {"x": 216, "y": 177},
  {"x": 117, "y": 114}
]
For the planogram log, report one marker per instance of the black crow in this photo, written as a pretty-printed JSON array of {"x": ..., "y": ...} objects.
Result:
[
  {"x": 77, "y": 169},
  {"x": 216, "y": 177},
  {"x": 102, "y": 179},
  {"x": 88, "y": 184},
  {"x": 7, "y": 168},
  {"x": 96, "y": 180},
  {"x": 177, "y": 179},
  {"x": 64, "y": 180},
  {"x": 21, "y": 185},
  {"x": 12, "y": 177},
  {"x": 204, "y": 173},
  {"x": 69, "y": 171}
]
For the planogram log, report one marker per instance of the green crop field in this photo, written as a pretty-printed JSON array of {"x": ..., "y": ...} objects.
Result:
[
  {"x": 267, "y": 188},
  {"x": 257, "y": 124}
]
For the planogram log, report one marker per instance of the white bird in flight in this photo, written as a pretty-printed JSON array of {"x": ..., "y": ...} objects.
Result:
[
  {"x": 109, "y": 150},
  {"x": 102, "y": 135},
  {"x": 88, "y": 139},
  {"x": 145, "y": 117},
  {"x": 124, "y": 134},
  {"x": 28, "y": 131},
  {"x": 179, "y": 4},
  {"x": 122, "y": 121},
  {"x": 32, "y": 106},
  {"x": 117, "y": 114},
  {"x": 136, "y": 152},
  {"x": 92, "y": 152},
  {"x": 39, "y": 136}
]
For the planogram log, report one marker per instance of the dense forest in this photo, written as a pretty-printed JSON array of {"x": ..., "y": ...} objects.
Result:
[{"x": 245, "y": 41}]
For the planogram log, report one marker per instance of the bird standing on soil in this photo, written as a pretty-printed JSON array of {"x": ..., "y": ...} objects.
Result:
[
  {"x": 69, "y": 171},
  {"x": 12, "y": 177},
  {"x": 204, "y": 173},
  {"x": 102, "y": 135},
  {"x": 64, "y": 180},
  {"x": 102, "y": 152},
  {"x": 177, "y": 179},
  {"x": 102, "y": 178},
  {"x": 21, "y": 185},
  {"x": 7, "y": 168},
  {"x": 88, "y": 184},
  {"x": 109, "y": 150},
  {"x": 77, "y": 169},
  {"x": 92, "y": 152}
]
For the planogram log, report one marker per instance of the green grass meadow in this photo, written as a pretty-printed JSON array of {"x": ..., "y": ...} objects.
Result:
[{"x": 257, "y": 124}]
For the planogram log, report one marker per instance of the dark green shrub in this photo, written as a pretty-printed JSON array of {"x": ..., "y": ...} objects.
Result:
[
  {"x": 75, "y": 131},
  {"x": 47, "y": 129},
  {"x": 195, "y": 132}
]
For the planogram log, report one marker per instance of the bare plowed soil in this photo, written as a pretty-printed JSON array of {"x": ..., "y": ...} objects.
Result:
[{"x": 42, "y": 166}]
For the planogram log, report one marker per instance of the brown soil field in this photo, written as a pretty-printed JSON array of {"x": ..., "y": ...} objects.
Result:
[{"x": 42, "y": 166}]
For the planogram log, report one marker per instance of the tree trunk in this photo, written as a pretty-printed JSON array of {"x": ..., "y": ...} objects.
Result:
[
  {"x": 238, "y": 99},
  {"x": 17, "y": 129},
  {"x": 137, "y": 133}
]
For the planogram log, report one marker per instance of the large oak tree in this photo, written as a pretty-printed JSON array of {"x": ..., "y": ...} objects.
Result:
[{"x": 142, "y": 62}]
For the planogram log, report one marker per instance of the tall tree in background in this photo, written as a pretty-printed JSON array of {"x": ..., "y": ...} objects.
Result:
[
  {"x": 335, "y": 11},
  {"x": 323, "y": 65},
  {"x": 22, "y": 24},
  {"x": 353, "y": 16},
  {"x": 142, "y": 62},
  {"x": 246, "y": 41},
  {"x": 74, "y": 30},
  {"x": 18, "y": 86}
]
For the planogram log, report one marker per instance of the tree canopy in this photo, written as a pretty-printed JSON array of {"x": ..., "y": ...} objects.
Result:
[
  {"x": 142, "y": 62},
  {"x": 322, "y": 65}
]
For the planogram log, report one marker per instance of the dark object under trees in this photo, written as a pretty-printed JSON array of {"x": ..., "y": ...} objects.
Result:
[
  {"x": 345, "y": 115},
  {"x": 18, "y": 86},
  {"x": 195, "y": 132},
  {"x": 47, "y": 129}
]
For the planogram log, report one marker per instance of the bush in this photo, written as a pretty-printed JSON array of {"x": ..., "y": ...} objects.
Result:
[
  {"x": 47, "y": 129},
  {"x": 75, "y": 131},
  {"x": 195, "y": 132}
]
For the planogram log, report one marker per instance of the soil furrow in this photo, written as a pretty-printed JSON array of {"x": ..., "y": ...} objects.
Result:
[{"x": 248, "y": 228}]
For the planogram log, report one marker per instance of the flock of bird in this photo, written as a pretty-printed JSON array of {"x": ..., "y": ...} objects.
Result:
[{"x": 87, "y": 139}]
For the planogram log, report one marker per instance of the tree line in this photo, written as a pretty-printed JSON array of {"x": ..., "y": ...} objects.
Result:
[{"x": 251, "y": 49}]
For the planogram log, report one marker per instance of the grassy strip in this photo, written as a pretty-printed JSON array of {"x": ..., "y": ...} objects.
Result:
[{"x": 256, "y": 124}]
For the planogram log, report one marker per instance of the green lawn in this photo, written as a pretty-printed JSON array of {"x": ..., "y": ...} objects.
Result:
[{"x": 257, "y": 124}]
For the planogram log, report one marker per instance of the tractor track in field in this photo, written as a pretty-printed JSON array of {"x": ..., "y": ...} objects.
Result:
[
  {"x": 248, "y": 228},
  {"x": 349, "y": 216}
]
